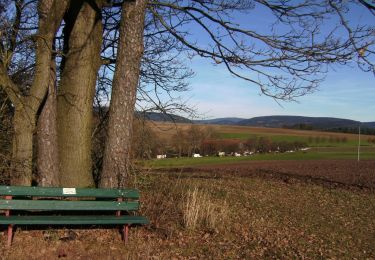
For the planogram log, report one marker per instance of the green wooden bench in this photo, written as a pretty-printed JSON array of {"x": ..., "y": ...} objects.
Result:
[{"x": 68, "y": 206}]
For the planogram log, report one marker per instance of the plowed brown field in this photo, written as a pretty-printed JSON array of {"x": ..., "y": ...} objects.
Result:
[{"x": 333, "y": 173}]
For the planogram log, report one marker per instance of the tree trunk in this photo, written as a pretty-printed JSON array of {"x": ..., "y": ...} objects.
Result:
[
  {"x": 124, "y": 90},
  {"x": 47, "y": 159},
  {"x": 22, "y": 146},
  {"x": 82, "y": 43}
]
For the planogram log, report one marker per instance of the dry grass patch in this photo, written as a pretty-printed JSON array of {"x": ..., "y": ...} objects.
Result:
[{"x": 200, "y": 210}]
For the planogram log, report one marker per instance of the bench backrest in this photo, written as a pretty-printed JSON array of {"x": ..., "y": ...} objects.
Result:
[{"x": 54, "y": 199}]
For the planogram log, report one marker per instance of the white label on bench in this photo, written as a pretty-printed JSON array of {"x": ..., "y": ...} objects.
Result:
[{"x": 69, "y": 191}]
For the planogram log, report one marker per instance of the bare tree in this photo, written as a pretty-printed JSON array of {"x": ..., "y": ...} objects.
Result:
[
  {"x": 27, "y": 99},
  {"x": 124, "y": 89}
]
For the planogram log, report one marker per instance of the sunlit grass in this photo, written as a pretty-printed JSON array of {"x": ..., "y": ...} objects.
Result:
[
  {"x": 325, "y": 140},
  {"x": 332, "y": 153}
]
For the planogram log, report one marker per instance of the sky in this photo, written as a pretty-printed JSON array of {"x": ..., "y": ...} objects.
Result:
[{"x": 347, "y": 92}]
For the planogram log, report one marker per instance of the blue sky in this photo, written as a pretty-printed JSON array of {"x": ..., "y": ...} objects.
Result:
[{"x": 347, "y": 92}]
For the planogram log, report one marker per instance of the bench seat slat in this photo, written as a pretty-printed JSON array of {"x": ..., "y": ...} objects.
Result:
[
  {"x": 67, "y": 205},
  {"x": 72, "y": 220},
  {"x": 59, "y": 192}
]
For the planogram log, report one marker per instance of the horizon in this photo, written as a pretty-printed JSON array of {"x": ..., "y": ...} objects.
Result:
[{"x": 245, "y": 118}]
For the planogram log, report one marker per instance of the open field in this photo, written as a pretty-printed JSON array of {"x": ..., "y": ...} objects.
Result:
[
  {"x": 327, "y": 139},
  {"x": 317, "y": 153},
  {"x": 323, "y": 145},
  {"x": 331, "y": 173},
  {"x": 247, "y": 216}
]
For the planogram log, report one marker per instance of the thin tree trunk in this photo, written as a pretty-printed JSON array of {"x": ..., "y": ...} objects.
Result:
[
  {"x": 124, "y": 89},
  {"x": 82, "y": 43},
  {"x": 47, "y": 159}
]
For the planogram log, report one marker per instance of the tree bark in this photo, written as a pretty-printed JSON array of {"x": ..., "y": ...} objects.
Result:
[
  {"x": 124, "y": 89},
  {"x": 82, "y": 43},
  {"x": 22, "y": 146},
  {"x": 47, "y": 159}
]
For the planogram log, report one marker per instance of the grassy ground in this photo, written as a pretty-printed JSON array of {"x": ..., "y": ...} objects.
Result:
[
  {"x": 321, "y": 153},
  {"x": 248, "y": 218},
  {"x": 272, "y": 219}
]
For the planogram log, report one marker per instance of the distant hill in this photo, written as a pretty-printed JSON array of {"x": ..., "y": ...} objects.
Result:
[
  {"x": 369, "y": 124},
  {"x": 153, "y": 116},
  {"x": 162, "y": 117},
  {"x": 221, "y": 121},
  {"x": 298, "y": 122},
  {"x": 294, "y": 122},
  {"x": 321, "y": 123}
]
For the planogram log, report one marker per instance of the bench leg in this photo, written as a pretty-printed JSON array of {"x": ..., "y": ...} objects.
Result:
[
  {"x": 10, "y": 235},
  {"x": 126, "y": 233},
  {"x": 10, "y": 227}
]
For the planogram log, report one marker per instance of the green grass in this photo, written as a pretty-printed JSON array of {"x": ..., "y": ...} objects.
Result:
[{"x": 322, "y": 153}]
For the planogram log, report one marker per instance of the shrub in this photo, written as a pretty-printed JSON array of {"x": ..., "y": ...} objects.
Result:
[
  {"x": 298, "y": 145},
  {"x": 344, "y": 139},
  {"x": 264, "y": 144},
  {"x": 210, "y": 147},
  {"x": 251, "y": 143}
]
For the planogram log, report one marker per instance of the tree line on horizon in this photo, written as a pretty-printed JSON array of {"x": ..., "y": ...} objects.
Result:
[{"x": 347, "y": 130}]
